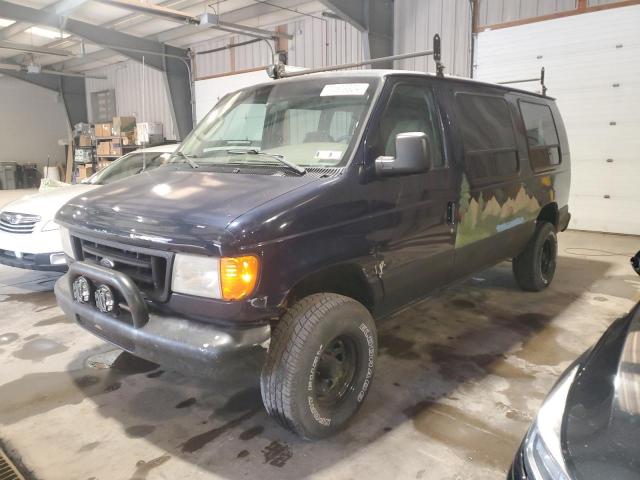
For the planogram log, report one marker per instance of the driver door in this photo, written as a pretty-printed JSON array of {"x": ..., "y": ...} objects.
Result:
[{"x": 412, "y": 230}]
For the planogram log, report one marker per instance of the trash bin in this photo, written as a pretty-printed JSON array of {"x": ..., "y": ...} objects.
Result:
[{"x": 8, "y": 175}]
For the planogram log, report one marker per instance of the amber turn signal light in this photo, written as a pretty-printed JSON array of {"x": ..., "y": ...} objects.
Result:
[{"x": 238, "y": 276}]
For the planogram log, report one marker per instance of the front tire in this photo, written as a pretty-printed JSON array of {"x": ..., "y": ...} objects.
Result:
[
  {"x": 320, "y": 364},
  {"x": 535, "y": 267}
]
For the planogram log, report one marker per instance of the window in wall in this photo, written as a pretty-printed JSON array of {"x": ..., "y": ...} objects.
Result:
[
  {"x": 487, "y": 133},
  {"x": 411, "y": 108},
  {"x": 542, "y": 136}
]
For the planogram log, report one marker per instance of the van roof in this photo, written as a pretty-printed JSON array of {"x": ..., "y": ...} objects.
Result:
[{"x": 380, "y": 73}]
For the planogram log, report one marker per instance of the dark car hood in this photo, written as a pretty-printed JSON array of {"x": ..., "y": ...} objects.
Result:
[
  {"x": 601, "y": 427},
  {"x": 174, "y": 207}
]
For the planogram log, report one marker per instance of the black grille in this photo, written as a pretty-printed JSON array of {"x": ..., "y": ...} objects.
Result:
[{"x": 149, "y": 269}]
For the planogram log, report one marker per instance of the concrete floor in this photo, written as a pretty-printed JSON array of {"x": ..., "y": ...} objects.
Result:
[{"x": 459, "y": 379}]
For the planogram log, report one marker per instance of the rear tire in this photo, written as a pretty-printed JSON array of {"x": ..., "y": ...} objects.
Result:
[
  {"x": 535, "y": 267},
  {"x": 320, "y": 364}
]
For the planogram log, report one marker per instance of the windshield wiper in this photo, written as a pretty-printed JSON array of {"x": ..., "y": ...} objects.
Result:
[
  {"x": 187, "y": 158},
  {"x": 252, "y": 151}
]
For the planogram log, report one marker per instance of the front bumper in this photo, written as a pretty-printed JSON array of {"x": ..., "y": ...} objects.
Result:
[
  {"x": 34, "y": 250},
  {"x": 176, "y": 342},
  {"x": 33, "y": 261},
  {"x": 517, "y": 470}
]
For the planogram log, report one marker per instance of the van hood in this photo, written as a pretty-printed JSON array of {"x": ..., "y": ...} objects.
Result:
[
  {"x": 180, "y": 209},
  {"x": 46, "y": 204}
]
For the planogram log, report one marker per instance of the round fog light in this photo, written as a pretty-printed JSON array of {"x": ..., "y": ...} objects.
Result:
[
  {"x": 81, "y": 290},
  {"x": 105, "y": 300}
]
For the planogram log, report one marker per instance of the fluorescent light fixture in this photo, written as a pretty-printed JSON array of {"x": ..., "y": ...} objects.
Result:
[
  {"x": 46, "y": 32},
  {"x": 5, "y": 22}
]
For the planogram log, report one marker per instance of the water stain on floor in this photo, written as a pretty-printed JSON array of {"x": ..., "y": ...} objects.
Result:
[
  {"x": 88, "y": 447},
  {"x": 252, "y": 432},
  {"x": 247, "y": 399},
  {"x": 130, "y": 364},
  {"x": 42, "y": 300},
  {"x": 460, "y": 431},
  {"x": 7, "y": 338},
  {"x": 199, "y": 441},
  {"x": 53, "y": 321},
  {"x": 277, "y": 454},
  {"x": 139, "y": 431},
  {"x": 39, "y": 349},
  {"x": 143, "y": 468},
  {"x": 36, "y": 393},
  {"x": 186, "y": 403},
  {"x": 396, "y": 347}
]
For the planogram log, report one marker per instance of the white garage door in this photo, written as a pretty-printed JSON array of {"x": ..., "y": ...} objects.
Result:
[{"x": 592, "y": 64}]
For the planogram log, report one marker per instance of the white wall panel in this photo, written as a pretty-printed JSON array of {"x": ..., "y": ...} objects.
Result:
[
  {"x": 32, "y": 120},
  {"x": 592, "y": 69},
  {"x": 140, "y": 92},
  {"x": 317, "y": 42},
  {"x": 492, "y": 12},
  {"x": 417, "y": 21}
]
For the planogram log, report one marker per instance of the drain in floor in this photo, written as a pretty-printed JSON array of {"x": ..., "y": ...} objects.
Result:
[{"x": 8, "y": 471}]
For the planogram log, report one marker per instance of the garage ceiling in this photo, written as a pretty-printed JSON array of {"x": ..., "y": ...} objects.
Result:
[{"x": 87, "y": 56}]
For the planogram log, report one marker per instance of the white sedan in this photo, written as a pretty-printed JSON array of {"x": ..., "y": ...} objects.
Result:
[{"x": 29, "y": 237}]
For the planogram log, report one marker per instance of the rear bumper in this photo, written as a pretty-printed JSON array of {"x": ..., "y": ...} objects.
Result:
[
  {"x": 176, "y": 342},
  {"x": 33, "y": 261}
]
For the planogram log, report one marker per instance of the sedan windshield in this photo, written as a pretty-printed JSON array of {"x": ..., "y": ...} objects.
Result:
[
  {"x": 293, "y": 125},
  {"x": 128, "y": 165}
]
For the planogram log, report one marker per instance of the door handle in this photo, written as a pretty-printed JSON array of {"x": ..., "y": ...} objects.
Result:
[{"x": 451, "y": 213}]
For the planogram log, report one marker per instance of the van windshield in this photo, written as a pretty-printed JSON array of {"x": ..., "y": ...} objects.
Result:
[{"x": 308, "y": 123}]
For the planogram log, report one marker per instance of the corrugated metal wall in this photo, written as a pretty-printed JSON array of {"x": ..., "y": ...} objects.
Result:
[
  {"x": 492, "y": 12},
  {"x": 140, "y": 92},
  {"x": 416, "y": 21},
  {"x": 316, "y": 42}
]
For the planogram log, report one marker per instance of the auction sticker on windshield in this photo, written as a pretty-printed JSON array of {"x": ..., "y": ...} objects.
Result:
[
  {"x": 344, "y": 89},
  {"x": 328, "y": 155}
]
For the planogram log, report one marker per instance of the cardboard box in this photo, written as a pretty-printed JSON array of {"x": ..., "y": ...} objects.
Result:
[
  {"x": 83, "y": 171},
  {"x": 103, "y": 130},
  {"x": 122, "y": 125},
  {"x": 149, "y": 133},
  {"x": 104, "y": 147},
  {"x": 84, "y": 140},
  {"x": 82, "y": 155},
  {"x": 102, "y": 164}
]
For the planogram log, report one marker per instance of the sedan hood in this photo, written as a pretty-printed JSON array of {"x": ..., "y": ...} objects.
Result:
[
  {"x": 46, "y": 204},
  {"x": 186, "y": 209},
  {"x": 601, "y": 425}
]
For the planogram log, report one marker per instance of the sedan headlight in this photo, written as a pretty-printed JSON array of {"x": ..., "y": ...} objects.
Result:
[
  {"x": 543, "y": 448},
  {"x": 227, "y": 278},
  {"x": 50, "y": 226},
  {"x": 67, "y": 245}
]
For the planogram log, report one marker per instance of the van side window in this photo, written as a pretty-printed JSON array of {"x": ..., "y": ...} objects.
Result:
[
  {"x": 411, "y": 108},
  {"x": 542, "y": 136},
  {"x": 488, "y": 137}
]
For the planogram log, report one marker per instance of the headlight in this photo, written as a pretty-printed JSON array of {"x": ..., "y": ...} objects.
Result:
[
  {"x": 67, "y": 246},
  {"x": 543, "y": 448},
  {"x": 227, "y": 278},
  {"x": 196, "y": 275},
  {"x": 50, "y": 226}
]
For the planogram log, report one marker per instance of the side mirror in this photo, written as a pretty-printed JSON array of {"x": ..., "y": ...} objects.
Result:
[{"x": 412, "y": 155}]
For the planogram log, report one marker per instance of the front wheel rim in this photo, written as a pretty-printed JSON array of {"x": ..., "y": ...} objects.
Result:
[{"x": 336, "y": 371}]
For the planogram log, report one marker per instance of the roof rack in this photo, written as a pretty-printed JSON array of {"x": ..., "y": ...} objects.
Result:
[
  {"x": 526, "y": 80},
  {"x": 277, "y": 70}
]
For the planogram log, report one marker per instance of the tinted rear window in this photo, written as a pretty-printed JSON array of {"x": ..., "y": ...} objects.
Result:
[
  {"x": 542, "y": 136},
  {"x": 488, "y": 137}
]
